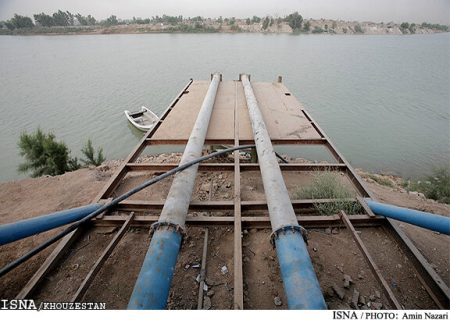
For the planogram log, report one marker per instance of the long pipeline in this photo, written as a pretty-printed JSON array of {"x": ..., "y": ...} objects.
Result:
[
  {"x": 153, "y": 283},
  {"x": 422, "y": 219},
  {"x": 300, "y": 281},
  {"x": 25, "y": 228}
]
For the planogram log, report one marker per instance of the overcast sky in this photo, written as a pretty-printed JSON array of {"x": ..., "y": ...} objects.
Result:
[{"x": 437, "y": 11}]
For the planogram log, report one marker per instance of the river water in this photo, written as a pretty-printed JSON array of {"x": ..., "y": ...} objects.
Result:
[{"x": 383, "y": 100}]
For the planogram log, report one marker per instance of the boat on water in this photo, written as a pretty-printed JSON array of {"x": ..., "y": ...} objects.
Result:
[{"x": 144, "y": 119}]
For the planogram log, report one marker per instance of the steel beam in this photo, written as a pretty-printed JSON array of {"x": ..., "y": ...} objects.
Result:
[{"x": 297, "y": 167}]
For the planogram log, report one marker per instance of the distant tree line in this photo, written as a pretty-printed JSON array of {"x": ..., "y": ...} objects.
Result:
[
  {"x": 294, "y": 20},
  {"x": 436, "y": 26}
]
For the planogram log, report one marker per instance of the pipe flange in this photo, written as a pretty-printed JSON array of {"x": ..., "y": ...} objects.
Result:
[
  {"x": 275, "y": 234},
  {"x": 169, "y": 226}
]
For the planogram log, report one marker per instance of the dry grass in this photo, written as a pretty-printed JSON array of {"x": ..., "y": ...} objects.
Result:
[{"x": 326, "y": 185}]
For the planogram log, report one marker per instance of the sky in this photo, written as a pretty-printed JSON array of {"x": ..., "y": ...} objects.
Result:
[{"x": 435, "y": 11}]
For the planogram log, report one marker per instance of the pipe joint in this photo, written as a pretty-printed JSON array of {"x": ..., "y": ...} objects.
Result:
[
  {"x": 288, "y": 229},
  {"x": 169, "y": 226}
]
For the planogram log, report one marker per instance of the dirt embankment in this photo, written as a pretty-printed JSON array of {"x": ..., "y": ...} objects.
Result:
[
  {"x": 32, "y": 197},
  {"x": 316, "y": 26}
]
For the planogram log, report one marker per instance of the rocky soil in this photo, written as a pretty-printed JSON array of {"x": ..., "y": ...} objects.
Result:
[{"x": 343, "y": 274}]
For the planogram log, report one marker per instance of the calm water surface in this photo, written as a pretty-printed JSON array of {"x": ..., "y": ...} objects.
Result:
[{"x": 383, "y": 100}]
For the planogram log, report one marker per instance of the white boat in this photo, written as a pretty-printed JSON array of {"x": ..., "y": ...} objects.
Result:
[{"x": 144, "y": 119}]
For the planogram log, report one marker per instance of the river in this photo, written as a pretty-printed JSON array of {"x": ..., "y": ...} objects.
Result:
[{"x": 383, "y": 100}]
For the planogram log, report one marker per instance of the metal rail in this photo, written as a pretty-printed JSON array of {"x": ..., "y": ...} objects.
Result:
[{"x": 247, "y": 214}]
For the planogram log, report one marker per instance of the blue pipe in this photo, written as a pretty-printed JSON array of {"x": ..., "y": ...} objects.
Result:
[
  {"x": 422, "y": 219},
  {"x": 299, "y": 279},
  {"x": 153, "y": 283},
  {"x": 24, "y": 228}
]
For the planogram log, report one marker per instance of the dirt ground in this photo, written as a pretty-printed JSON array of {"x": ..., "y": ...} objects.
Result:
[{"x": 333, "y": 251}]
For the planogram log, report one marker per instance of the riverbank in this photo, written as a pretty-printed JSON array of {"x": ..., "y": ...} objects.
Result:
[
  {"x": 275, "y": 26},
  {"x": 27, "y": 198}
]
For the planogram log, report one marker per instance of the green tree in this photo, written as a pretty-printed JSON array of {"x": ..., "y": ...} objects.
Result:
[
  {"x": 43, "y": 155},
  {"x": 89, "y": 153},
  {"x": 266, "y": 22},
  {"x": 70, "y": 18},
  {"x": 232, "y": 21},
  {"x": 85, "y": 20},
  {"x": 81, "y": 19},
  {"x": 404, "y": 27},
  {"x": 62, "y": 18},
  {"x": 412, "y": 28},
  {"x": 19, "y": 22},
  {"x": 307, "y": 26},
  {"x": 317, "y": 29},
  {"x": 256, "y": 19},
  {"x": 435, "y": 26},
  {"x": 44, "y": 20},
  {"x": 359, "y": 29},
  {"x": 294, "y": 20},
  {"x": 90, "y": 20},
  {"x": 248, "y": 21},
  {"x": 197, "y": 19},
  {"x": 10, "y": 25},
  {"x": 111, "y": 21}
]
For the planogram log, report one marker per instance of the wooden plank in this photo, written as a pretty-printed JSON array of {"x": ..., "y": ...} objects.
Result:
[
  {"x": 101, "y": 260},
  {"x": 238, "y": 269},
  {"x": 431, "y": 281},
  {"x": 375, "y": 270},
  {"x": 249, "y": 221},
  {"x": 48, "y": 264},
  {"x": 142, "y": 205},
  {"x": 162, "y": 167},
  {"x": 298, "y": 167},
  {"x": 165, "y": 141}
]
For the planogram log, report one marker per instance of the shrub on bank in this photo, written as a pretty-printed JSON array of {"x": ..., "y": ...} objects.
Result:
[
  {"x": 46, "y": 156},
  {"x": 435, "y": 186}
]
